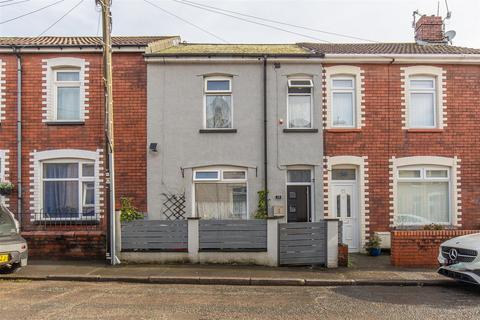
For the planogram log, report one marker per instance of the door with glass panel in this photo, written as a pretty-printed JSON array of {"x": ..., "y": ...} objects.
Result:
[
  {"x": 299, "y": 190},
  {"x": 345, "y": 206}
]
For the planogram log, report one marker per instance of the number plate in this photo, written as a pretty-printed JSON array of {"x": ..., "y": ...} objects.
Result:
[{"x": 4, "y": 258}]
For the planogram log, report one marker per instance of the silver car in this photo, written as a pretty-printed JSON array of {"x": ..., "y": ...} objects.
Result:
[{"x": 13, "y": 248}]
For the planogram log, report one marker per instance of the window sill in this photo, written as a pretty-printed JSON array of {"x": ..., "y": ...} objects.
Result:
[
  {"x": 436, "y": 130},
  {"x": 341, "y": 130},
  {"x": 300, "y": 130},
  {"x": 217, "y": 131},
  {"x": 65, "y": 123}
]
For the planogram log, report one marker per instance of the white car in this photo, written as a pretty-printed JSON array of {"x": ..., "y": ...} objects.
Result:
[
  {"x": 460, "y": 258},
  {"x": 13, "y": 248}
]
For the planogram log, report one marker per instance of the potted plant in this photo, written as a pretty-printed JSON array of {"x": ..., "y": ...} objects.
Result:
[
  {"x": 373, "y": 246},
  {"x": 6, "y": 188}
]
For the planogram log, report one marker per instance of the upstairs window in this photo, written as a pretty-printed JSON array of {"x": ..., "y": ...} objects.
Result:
[
  {"x": 218, "y": 103},
  {"x": 299, "y": 107},
  {"x": 66, "y": 87},
  {"x": 343, "y": 102},
  {"x": 422, "y": 107}
]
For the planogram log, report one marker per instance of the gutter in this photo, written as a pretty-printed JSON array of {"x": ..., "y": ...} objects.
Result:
[{"x": 19, "y": 136}]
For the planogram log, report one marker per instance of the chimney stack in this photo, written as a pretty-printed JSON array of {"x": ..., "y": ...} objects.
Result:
[{"x": 430, "y": 29}]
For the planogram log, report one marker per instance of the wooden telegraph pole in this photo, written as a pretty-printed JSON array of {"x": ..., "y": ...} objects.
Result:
[{"x": 109, "y": 134}]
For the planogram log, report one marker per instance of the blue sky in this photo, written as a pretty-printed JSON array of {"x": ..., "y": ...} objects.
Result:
[{"x": 379, "y": 20}]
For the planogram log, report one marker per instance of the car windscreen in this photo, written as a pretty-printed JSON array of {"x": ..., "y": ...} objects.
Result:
[{"x": 7, "y": 225}]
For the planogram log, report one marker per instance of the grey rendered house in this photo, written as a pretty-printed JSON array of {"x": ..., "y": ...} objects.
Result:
[
  {"x": 226, "y": 122},
  {"x": 206, "y": 130}
]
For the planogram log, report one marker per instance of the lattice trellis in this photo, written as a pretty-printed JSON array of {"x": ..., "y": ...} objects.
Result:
[{"x": 174, "y": 206}]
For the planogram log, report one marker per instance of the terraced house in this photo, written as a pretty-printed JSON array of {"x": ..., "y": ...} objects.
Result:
[
  {"x": 381, "y": 136},
  {"x": 52, "y": 137}
]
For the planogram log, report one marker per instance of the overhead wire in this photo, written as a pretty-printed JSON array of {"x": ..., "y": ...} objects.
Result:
[
  {"x": 31, "y": 12},
  {"x": 186, "y": 21},
  {"x": 251, "y": 21},
  {"x": 11, "y": 4},
  {"x": 276, "y": 21}
]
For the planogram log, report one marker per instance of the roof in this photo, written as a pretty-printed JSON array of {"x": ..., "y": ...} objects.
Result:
[
  {"x": 120, "y": 41},
  {"x": 386, "y": 48},
  {"x": 200, "y": 49}
]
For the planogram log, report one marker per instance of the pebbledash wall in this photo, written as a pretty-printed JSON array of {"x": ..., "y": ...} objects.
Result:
[
  {"x": 383, "y": 142},
  {"x": 43, "y": 139}
]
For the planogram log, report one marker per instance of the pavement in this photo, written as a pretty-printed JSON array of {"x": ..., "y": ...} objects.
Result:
[{"x": 363, "y": 270}]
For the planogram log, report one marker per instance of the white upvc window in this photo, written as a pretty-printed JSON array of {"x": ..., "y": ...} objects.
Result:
[
  {"x": 220, "y": 194},
  {"x": 299, "y": 104},
  {"x": 343, "y": 97},
  {"x": 423, "y": 195},
  {"x": 218, "y": 106},
  {"x": 422, "y": 111},
  {"x": 68, "y": 189},
  {"x": 67, "y": 95}
]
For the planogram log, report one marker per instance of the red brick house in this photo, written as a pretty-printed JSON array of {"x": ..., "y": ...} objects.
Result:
[
  {"x": 60, "y": 137},
  {"x": 401, "y": 127}
]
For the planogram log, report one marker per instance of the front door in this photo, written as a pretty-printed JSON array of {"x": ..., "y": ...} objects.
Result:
[
  {"x": 298, "y": 203},
  {"x": 345, "y": 207}
]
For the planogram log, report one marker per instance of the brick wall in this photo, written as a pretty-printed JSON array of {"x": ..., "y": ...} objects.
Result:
[
  {"x": 382, "y": 137},
  {"x": 130, "y": 103},
  {"x": 419, "y": 248},
  {"x": 55, "y": 245}
]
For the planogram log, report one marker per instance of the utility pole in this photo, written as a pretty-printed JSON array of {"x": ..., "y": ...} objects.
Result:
[{"x": 109, "y": 133}]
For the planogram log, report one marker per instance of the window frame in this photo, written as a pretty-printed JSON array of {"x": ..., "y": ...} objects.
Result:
[
  {"x": 66, "y": 84},
  {"x": 423, "y": 178},
  {"x": 352, "y": 90},
  {"x": 433, "y": 91},
  {"x": 80, "y": 179},
  {"x": 290, "y": 85},
  {"x": 219, "y": 181},
  {"x": 207, "y": 92}
]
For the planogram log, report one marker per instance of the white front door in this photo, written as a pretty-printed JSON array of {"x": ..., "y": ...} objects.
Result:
[{"x": 345, "y": 207}]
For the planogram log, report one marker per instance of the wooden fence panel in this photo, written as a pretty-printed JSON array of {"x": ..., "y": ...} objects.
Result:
[
  {"x": 303, "y": 243},
  {"x": 155, "y": 235},
  {"x": 233, "y": 235}
]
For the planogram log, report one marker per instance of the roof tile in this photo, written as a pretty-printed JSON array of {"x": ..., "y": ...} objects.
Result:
[{"x": 77, "y": 41}]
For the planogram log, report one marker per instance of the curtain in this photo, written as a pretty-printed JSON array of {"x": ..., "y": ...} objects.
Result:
[
  {"x": 221, "y": 201},
  {"x": 299, "y": 111},
  {"x": 422, "y": 203},
  {"x": 68, "y": 103},
  {"x": 342, "y": 109},
  {"x": 218, "y": 111},
  {"x": 421, "y": 111},
  {"x": 60, "y": 198}
]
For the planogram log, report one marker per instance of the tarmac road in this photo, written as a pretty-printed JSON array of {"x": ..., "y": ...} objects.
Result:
[{"x": 82, "y": 300}]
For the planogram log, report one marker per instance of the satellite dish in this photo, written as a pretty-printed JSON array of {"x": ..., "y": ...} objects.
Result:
[{"x": 449, "y": 35}]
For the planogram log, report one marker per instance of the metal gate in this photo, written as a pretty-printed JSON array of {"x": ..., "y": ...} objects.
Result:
[{"x": 303, "y": 243}]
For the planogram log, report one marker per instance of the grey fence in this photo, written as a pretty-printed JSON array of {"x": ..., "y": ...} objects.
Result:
[
  {"x": 303, "y": 243},
  {"x": 233, "y": 235},
  {"x": 155, "y": 235}
]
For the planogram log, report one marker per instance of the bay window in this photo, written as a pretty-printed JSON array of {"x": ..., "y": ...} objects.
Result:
[
  {"x": 220, "y": 194},
  {"x": 218, "y": 103},
  {"x": 423, "y": 195},
  {"x": 299, "y": 104},
  {"x": 68, "y": 189}
]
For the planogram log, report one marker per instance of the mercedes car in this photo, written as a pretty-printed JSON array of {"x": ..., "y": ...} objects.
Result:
[
  {"x": 13, "y": 248},
  {"x": 459, "y": 258}
]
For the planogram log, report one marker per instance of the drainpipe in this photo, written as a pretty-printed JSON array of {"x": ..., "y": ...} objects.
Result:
[
  {"x": 265, "y": 139},
  {"x": 19, "y": 135}
]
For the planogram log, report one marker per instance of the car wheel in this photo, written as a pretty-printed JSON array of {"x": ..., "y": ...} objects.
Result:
[{"x": 10, "y": 269}]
